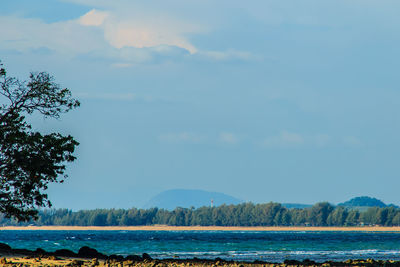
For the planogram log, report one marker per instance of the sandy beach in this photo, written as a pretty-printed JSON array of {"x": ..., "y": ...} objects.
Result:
[{"x": 203, "y": 228}]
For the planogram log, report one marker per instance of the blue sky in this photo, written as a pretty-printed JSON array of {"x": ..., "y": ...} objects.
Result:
[{"x": 287, "y": 101}]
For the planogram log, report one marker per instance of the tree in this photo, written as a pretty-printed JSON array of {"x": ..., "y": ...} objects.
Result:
[
  {"x": 352, "y": 218},
  {"x": 337, "y": 217},
  {"x": 30, "y": 160},
  {"x": 319, "y": 213}
]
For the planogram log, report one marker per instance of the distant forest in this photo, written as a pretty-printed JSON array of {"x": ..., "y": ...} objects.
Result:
[{"x": 246, "y": 214}]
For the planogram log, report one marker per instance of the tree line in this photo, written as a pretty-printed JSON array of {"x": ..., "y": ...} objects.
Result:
[{"x": 246, "y": 214}]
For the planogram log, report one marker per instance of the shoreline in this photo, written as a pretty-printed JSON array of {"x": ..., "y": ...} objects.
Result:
[
  {"x": 204, "y": 228},
  {"x": 87, "y": 256}
]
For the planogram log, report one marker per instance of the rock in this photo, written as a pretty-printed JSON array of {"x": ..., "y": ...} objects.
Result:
[
  {"x": 40, "y": 251},
  {"x": 65, "y": 253},
  {"x": 146, "y": 256},
  {"x": 87, "y": 252},
  {"x": 22, "y": 251},
  {"x": 134, "y": 258},
  {"x": 116, "y": 257},
  {"x": 308, "y": 262},
  {"x": 5, "y": 247},
  {"x": 291, "y": 262}
]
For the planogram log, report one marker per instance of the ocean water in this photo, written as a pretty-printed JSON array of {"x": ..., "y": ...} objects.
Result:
[{"x": 231, "y": 245}]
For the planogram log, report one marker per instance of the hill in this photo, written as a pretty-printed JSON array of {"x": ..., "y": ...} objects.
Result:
[
  {"x": 363, "y": 201},
  {"x": 187, "y": 198}
]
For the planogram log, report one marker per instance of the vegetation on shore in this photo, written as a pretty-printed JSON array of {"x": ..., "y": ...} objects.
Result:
[{"x": 246, "y": 214}]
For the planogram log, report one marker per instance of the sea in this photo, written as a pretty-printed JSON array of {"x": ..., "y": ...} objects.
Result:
[{"x": 319, "y": 246}]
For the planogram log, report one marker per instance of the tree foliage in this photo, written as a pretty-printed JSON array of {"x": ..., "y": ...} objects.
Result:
[
  {"x": 245, "y": 214},
  {"x": 30, "y": 160}
]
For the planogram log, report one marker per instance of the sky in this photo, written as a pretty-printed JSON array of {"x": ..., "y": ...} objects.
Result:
[{"x": 284, "y": 101}]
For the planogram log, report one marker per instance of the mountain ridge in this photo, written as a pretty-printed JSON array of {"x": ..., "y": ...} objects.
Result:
[
  {"x": 363, "y": 201},
  {"x": 187, "y": 198}
]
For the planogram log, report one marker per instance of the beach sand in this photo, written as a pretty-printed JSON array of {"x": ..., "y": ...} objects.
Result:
[{"x": 204, "y": 228}]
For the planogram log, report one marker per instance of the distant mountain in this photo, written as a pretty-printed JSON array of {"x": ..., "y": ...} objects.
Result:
[
  {"x": 187, "y": 198},
  {"x": 363, "y": 202},
  {"x": 296, "y": 205}
]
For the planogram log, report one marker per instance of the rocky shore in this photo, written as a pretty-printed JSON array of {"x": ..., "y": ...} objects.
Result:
[{"x": 87, "y": 256}]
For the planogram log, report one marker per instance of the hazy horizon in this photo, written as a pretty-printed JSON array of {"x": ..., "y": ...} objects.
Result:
[
  {"x": 285, "y": 101},
  {"x": 146, "y": 204}
]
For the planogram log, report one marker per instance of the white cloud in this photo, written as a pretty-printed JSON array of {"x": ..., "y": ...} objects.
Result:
[
  {"x": 68, "y": 38},
  {"x": 228, "y": 138},
  {"x": 93, "y": 18},
  {"x": 284, "y": 139},
  {"x": 184, "y": 137},
  {"x": 100, "y": 34},
  {"x": 121, "y": 65},
  {"x": 120, "y": 31},
  {"x": 289, "y": 139},
  {"x": 321, "y": 140},
  {"x": 133, "y": 34},
  {"x": 227, "y": 55}
]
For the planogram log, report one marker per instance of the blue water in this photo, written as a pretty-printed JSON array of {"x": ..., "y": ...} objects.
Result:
[{"x": 247, "y": 246}]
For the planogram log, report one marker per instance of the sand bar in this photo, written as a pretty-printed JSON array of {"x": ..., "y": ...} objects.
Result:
[{"x": 203, "y": 228}]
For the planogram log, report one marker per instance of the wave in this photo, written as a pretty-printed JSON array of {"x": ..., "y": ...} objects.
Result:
[
  {"x": 282, "y": 255},
  {"x": 246, "y": 246}
]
